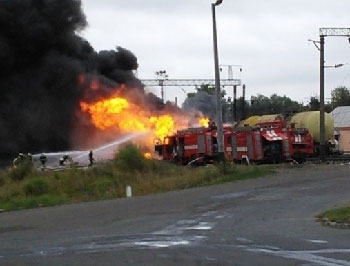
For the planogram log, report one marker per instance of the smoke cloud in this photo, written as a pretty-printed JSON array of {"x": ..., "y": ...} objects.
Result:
[{"x": 42, "y": 59}]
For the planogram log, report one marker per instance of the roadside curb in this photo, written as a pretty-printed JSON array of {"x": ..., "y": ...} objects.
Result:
[{"x": 327, "y": 222}]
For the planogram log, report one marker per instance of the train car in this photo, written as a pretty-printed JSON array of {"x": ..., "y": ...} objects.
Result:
[{"x": 311, "y": 121}]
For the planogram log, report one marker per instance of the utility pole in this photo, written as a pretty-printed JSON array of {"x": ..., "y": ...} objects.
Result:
[
  {"x": 243, "y": 115},
  {"x": 322, "y": 123},
  {"x": 234, "y": 115},
  {"x": 220, "y": 130},
  {"x": 161, "y": 77},
  {"x": 323, "y": 32},
  {"x": 230, "y": 77}
]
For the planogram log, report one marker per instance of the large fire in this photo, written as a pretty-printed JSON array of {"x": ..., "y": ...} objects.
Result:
[
  {"x": 104, "y": 114},
  {"x": 118, "y": 114}
]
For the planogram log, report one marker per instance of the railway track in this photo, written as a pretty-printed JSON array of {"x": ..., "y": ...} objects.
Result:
[{"x": 331, "y": 159}]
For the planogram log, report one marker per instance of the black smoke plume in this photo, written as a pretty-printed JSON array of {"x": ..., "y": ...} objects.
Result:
[{"x": 41, "y": 60}]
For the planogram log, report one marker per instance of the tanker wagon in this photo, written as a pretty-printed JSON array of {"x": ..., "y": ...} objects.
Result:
[{"x": 311, "y": 121}]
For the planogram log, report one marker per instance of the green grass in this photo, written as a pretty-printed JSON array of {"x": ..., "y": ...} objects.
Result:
[
  {"x": 18, "y": 203},
  {"x": 338, "y": 215},
  {"x": 27, "y": 188}
]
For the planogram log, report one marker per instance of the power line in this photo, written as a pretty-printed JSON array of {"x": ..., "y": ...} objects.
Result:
[{"x": 190, "y": 82}]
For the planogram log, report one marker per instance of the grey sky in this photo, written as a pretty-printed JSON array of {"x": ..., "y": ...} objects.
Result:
[{"x": 268, "y": 38}]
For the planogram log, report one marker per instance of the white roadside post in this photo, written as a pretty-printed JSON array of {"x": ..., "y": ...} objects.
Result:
[{"x": 128, "y": 191}]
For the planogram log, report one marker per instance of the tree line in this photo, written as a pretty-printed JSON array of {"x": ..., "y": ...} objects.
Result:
[{"x": 204, "y": 100}]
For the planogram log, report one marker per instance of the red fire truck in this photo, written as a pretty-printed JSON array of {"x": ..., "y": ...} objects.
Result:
[
  {"x": 199, "y": 145},
  {"x": 267, "y": 142},
  {"x": 301, "y": 144},
  {"x": 193, "y": 145},
  {"x": 298, "y": 144},
  {"x": 259, "y": 145}
]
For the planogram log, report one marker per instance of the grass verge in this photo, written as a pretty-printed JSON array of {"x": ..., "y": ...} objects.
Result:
[
  {"x": 109, "y": 180},
  {"x": 339, "y": 215}
]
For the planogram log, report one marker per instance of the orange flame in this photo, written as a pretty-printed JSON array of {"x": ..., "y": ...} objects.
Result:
[
  {"x": 147, "y": 155},
  {"x": 204, "y": 122},
  {"x": 118, "y": 113},
  {"x": 104, "y": 114},
  {"x": 164, "y": 125}
]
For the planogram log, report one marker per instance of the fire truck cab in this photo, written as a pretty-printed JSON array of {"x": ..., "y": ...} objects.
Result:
[
  {"x": 301, "y": 143},
  {"x": 189, "y": 146},
  {"x": 275, "y": 140}
]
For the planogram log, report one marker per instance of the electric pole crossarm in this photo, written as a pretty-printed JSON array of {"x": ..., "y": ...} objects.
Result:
[
  {"x": 191, "y": 82},
  {"x": 335, "y": 32}
]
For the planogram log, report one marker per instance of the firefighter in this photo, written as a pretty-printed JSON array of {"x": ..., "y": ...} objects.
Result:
[
  {"x": 29, "y": 157},
  {"x": 61, "y": 161},
  {"x": 28, "y": 160},
  {"x": 21, "y": 157},
  {"x": 15, "y": 162},
  {"x": 215, "y": 146},
  {"x": 43, "y": 160},
  {"x": 64, "y": 159},
  {"x": 18, "y": 160},
  {"x": 211, "y": 124},
  {"x": 91, "y": 158}
]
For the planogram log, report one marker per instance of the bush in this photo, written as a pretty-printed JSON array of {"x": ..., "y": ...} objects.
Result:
[
  {"x": 21, "y": 171},
  {"x": 36, "y": 187},
  {"x": 130, "y": 158}
]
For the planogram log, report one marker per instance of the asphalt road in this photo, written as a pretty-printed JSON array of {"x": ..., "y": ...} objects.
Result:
[{"x": 266, "y": 221}]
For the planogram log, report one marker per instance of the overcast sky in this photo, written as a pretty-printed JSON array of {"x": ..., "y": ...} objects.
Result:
[{"x": 268, "y": 38}]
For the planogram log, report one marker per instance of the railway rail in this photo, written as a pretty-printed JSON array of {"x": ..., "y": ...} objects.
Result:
[{"x": 345, "y": 158}]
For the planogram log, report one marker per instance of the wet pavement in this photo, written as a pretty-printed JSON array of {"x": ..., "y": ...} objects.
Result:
[{"x": 266, "y": 221}]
